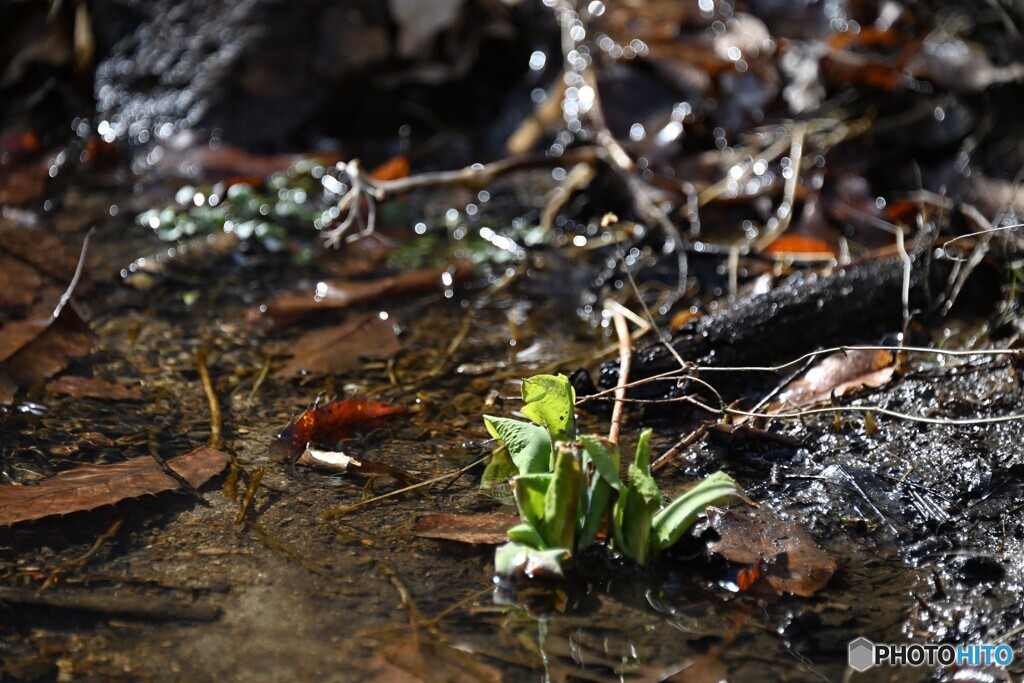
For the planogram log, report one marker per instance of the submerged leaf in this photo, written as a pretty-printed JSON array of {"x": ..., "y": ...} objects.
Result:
[
  {"x": 550, "y": 401},
  {"x": 88, "y": 487},
  {"x": 487, "y": 529},
  {"x": 790, "y": 560},
  {"x": 420, "y": 660},
  {"x": 341, "y": 348}
]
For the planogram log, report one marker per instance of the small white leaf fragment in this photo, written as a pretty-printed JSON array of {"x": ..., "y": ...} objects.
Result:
[{"x": 333, "y": 459}]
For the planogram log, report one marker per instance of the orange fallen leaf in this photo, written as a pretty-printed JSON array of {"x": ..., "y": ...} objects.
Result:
[
  {"x": 334, "y": 421},
  {"x": 487, "y": 529},
  {"x": 88, "y": 487},
  {"x": 798, "y": 244},
  {"x": 394, "y": 168}
]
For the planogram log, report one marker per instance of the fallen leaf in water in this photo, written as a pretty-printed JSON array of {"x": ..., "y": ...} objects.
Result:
[
  {"x": 838, "y": 374},
  {"x": 337, "y": 461},
  {"x": 342, "y": 348},
  {"x": 394, "y": 168},
  {"x": 798, "y": 244},
  {"x": 337, "y": 294},
  {"x": 88, "y": 487},
  {"x": 334, "y": 421},
  {"x": 789, "y": 559},
  {"x": 428, "y": 661},
  {"x": 94, "y": 387},
  {"x": 488, "y": 529}
]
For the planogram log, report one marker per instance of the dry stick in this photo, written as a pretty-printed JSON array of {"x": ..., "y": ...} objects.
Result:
[
  {"x": 254, "y": 483},
  {"x": 342, "y": 510},
  {"x": 625, "y": 357},
  {"x": 688, "y": 440},
  {"x": 577, "y": 180},
  {"x": 78, "y": 561},
  {"x": 211, "y": 397}
]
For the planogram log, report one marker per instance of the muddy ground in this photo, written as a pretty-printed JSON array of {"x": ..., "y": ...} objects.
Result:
[{"x": 921, "y": 519}]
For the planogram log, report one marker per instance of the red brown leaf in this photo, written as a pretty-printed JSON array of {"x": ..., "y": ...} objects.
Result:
[
  {"x": 487, "y": 529},
  {"x": 394, "y": 168},
  {"x": 341, "y": 348},
  {"x": 334, "y": 421},
  {"x": 88, "y": 487}
]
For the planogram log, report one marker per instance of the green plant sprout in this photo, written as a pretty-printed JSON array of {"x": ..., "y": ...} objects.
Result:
[{"x": 568, "y": 490}]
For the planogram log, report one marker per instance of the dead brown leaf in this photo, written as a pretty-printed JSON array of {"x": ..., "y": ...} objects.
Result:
[
  {"x": 88, "y": 487},
  {"x": 836, "y": 375},
  {"x": 426, "y": 661},
  {"x": 35, "y": 349},
  {"x": 19, "y": 282},
  {"x": 40, "y": 246},
  {"x": 338, "y": 349},
  {"x": 790, "y": 561},
  {"x": 487, "y": 529},
  {"x": 94, "y": 387}
]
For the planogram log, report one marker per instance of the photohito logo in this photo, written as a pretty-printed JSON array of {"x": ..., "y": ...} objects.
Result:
[{"x": 864, "y": 654}]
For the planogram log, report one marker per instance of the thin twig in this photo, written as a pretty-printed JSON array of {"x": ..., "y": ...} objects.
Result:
[
  {"x": 78, "y": 561},
  {"x": 79, "y": 269},
  {"x": 340, "y": 511},
  {"x": 625, "y": 358},
  {"x": 211, "y": 397}
]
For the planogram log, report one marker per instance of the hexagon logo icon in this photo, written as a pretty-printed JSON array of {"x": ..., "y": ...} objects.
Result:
[{"x": 862, "y": 654}]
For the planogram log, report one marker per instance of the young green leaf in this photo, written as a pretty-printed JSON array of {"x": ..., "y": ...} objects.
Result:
[
  {"x": 601, "y": 457},
  {"x": 605, "y": 456},
  {"x": 634, "y": 510},
  {"x": 594, "y": 501},
  {"x": 562, "y": 500},
  {"x": 550, "y": 402},
  {"x": 531, "y": 491},
  {"x": 527, "y": 535},
  {"x": 672, "y": 522},
  {"x": 529, "y": 445}
]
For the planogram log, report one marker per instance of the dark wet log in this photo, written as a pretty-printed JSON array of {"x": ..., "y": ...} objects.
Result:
[{"x": 804, "y": 313}]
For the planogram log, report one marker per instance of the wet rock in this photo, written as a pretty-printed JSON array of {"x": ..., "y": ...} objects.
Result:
[{"x": 265, "y": 72}]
